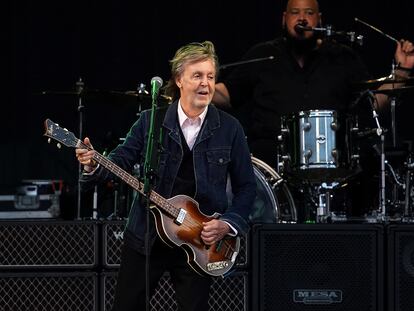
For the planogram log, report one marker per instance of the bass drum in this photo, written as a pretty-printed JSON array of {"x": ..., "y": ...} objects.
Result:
[{"x": 274, "y": 202}]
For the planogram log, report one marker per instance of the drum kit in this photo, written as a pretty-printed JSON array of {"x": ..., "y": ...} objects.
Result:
[{"x": 319, "y": 158}]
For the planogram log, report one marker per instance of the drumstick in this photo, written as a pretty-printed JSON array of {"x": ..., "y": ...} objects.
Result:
[{"x": 376, "y": 29}]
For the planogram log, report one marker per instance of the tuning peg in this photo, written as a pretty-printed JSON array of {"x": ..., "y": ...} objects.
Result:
[
  {"x": 59, "y": 145},
  {"x": 49, "y": 140},
  {"x": 65, "y": 129}
]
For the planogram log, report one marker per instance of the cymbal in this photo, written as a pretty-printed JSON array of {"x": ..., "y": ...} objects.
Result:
[
  {"x": 383, "y": 80},
  {"x": 143, "y": 95},
  {"x": 131, "y": 95},
  {"x": 394, "y": 91},
  {"x": 82, "y": 92}
]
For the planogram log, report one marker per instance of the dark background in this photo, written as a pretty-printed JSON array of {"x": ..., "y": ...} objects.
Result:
[{"x": 116, "y": 45}]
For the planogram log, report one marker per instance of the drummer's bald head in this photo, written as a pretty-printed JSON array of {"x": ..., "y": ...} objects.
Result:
[{"x": 311, "y": 3}]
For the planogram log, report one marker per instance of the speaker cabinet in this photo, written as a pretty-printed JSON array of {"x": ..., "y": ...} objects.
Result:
[
  {"x": 49, "y": 291},
  {"x": 113, "y": 234},
  {"x": 317, "y": 267},
  {"x": 229, "y": 293},
  {"x": 401, "y": 267},
  {"x": 48, "y": 245}
]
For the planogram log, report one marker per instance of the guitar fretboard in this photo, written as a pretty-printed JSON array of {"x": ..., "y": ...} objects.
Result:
[{"x": 159, "y": 200}]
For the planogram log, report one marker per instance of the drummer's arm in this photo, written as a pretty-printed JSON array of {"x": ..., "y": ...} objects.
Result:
[{"x": 221, "y": 97}]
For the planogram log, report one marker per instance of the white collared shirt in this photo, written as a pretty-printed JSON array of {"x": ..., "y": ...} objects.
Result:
[{"x": 190, "y": 126}]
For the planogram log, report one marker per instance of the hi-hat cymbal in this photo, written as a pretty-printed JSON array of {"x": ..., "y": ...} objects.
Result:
[
  {"x": 373, "y": 83},
  {"x": 143, "y": 95}
]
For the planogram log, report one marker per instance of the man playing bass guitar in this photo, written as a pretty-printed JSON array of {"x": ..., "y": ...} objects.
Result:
[{"x": 201, "y": 149}]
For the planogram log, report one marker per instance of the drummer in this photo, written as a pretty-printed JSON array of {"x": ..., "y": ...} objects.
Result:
[{"x": 305, "y": 73}]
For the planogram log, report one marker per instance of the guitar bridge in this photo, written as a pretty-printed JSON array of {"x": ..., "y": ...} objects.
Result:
[
  {"x": 218, "y": 265},
  {"x": 181, "y": 215}
]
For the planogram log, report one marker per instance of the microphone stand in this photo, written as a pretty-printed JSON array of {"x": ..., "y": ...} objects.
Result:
[
  {"x": 80, "y": 85},
  {"x": 376, "y": 29},
  {"x": 149, "y": 180},
  {"x": 329, "y": 32},
  {"x": 254, "y": 60}
]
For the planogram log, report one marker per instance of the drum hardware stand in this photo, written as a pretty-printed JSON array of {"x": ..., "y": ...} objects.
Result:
[
  {"x": 114, "y": 215},
  {"x": 408, "y": 208},
  {"x": 280, "y": 158},
  {"x": 380, "y": 214},
  {"x": 396, "y": 186},
  {"x": 323, "y": 210},
  {"x": 95, "y": 203}
]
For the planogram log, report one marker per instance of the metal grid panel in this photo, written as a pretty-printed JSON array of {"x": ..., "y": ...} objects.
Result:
[
  {"x": 48, "y": 244},
  {"x": 230, "y": 293},
  {"x": 112, "y": 243},
  {"x": 49, "y": 291}
]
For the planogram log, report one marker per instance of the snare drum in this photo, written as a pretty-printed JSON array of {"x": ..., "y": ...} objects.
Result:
[{"x": 318, "y": 145}]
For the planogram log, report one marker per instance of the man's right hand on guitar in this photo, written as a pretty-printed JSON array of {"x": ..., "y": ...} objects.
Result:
[{"x": 214, "y": 230}]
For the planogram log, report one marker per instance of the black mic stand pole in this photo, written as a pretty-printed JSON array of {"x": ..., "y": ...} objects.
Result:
[
  {"x": 254, "y": 60},
  {"x": 149, "y": 180},
  {"x": 79, "y": 90}
]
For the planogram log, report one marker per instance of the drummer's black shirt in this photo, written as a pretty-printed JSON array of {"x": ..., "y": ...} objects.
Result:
[{"x": 279, "y": 87}]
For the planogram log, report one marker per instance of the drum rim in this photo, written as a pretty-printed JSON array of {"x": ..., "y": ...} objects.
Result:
[
  {"x": 267, "y": 189},
  {"x": 263, "y": 165}
]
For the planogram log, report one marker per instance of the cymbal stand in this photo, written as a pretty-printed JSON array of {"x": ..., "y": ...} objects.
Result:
[
  {"x": 380, "y": 133},
  {"x": 393, "y": 102},
  {"x": 80, "y": 85},
  {"x": 141, "y": 89}
]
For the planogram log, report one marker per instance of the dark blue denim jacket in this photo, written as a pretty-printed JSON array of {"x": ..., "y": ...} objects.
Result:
[{"x": 220, "y": 151}]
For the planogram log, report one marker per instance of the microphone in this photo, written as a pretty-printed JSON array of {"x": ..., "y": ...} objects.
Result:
[
  {"x": 300, "y": 28},
  {"x": 156, "y": 84},
  {"x": 328, "y": 31},
  {"x": 368, "y": 132}
]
